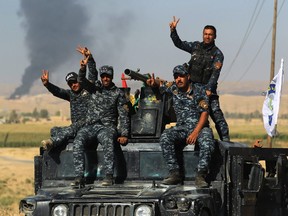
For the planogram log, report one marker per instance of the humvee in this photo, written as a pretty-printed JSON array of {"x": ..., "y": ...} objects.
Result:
[{"x": 243, "y": 180}]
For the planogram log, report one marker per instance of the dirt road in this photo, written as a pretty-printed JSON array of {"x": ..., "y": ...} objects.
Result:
[{"x": 16, "y": 177}]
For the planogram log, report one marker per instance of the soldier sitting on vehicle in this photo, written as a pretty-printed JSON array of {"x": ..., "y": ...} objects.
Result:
[
  {"x": 109, "y": 106},
  {"x": 78, "y": 98},
  {"x": 191, "y": 107}
]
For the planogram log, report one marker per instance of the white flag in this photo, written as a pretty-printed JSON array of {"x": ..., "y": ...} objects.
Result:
[{"x": 271, "y": 104}]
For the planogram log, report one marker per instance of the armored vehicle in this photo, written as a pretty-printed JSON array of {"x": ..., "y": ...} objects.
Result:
[{"x": 243, "y": 180}]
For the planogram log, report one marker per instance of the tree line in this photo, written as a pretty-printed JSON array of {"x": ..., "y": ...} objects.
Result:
[{"x": 35, "y": 115}]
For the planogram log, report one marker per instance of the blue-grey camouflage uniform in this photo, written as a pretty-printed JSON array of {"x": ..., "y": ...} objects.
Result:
[
  {"x": 204, "y": 69},
  {"x": 78, "y": 109},
  {"x": 106, "y": 107},
  {"x": 111, "y": 103},
  {"x": 188, "y": 107},
  {"x": 96, "y": 133}
]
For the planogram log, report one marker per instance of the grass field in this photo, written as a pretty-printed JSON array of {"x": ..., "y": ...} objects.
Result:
[
  {"x": 26, "y": 135},
  {"x": 16, "y": 164},
  {"x": 30, "y": 135}
]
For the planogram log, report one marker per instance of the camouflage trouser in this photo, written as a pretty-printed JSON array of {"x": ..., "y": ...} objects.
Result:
[
  {"x": 177, "y": 136},
  {"x": 60, "y": 135},
  {"x": 217, "y": 116},
  {"x": 99, "y": 134}
]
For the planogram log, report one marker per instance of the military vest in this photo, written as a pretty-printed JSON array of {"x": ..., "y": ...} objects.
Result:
[{"x": 201, "y": 63}]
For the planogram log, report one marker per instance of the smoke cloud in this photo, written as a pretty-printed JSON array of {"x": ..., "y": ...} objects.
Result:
[{"x": 53, "y": 30}]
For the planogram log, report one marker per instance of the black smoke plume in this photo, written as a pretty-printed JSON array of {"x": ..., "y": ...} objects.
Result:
[{"x": 53, "y": 30}]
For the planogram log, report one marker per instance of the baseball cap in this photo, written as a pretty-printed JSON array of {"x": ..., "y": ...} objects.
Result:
[
  {"x": 106, "y": 69},
  {"x": 180, "y": 69},
  {"x": 72, "y": 76}
]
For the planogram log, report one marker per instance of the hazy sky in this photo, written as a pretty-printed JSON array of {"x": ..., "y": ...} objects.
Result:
[{"x": 135, "y": 34}]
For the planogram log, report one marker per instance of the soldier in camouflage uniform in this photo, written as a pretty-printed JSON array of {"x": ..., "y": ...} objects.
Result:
[
  {"x": 191, "y": 107},
  {"x": 204, "y": 69},
  {"x": 108, "y": 106},
  {"x": 78, "y": 98}
]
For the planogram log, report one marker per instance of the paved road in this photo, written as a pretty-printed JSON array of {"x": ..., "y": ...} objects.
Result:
[{"x": 13, "y": 160}]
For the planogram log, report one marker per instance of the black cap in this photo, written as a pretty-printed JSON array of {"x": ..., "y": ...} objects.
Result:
[
  {"x": 180, "y": 69},
  {"x": 72, "y": 76},
  {"x": 106, "y": 70}
]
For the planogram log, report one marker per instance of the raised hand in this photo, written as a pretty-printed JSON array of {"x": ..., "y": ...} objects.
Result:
[
  {"x": 45, "y": 77},
  {"x": 174, "y": 23},
  {"x": 151, "y": 81},
  {"x": 84, "y": 51},
  {"x": 83, "y": 62}
]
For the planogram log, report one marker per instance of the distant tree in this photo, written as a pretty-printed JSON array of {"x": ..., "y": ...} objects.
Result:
[
  {"x": 35, "y": 114},
  {"x": 13, "y": 117},
  {"x": 44, "y": 113}
]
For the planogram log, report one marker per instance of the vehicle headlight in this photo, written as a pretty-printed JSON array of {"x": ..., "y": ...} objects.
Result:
[
  {"x": 60, "y": 210},
  {"x": 143, "y": 210},
  {"x": 183, "y": 204}
]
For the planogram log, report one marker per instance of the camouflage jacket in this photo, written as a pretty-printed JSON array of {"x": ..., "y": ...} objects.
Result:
[
  {"x": 187, "y": 105},
  {"x": 78, "y": 101},
  {"x": 107, "y": 105},
  {"x": 205, "y": 63}
]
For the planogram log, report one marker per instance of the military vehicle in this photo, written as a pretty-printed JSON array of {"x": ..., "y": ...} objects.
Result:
[{"x": 243, "y": 180}]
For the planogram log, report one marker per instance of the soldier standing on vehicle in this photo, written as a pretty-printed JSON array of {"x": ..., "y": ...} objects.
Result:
[
  {"x": 111, "y": 105},
  {"x": 192, "y": 110},
  {"x": 204, "y": 68}
]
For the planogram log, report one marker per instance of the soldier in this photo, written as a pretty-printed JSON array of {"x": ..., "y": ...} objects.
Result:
[
  {"x": 204, "y": 69},
  {"x": 78, "y": 98},
  {"x": 111, "y": 105},
  {"x": 191, "y": 107}
]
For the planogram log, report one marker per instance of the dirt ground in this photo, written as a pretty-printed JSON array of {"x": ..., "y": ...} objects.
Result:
[{"x": 16, "y": 177}]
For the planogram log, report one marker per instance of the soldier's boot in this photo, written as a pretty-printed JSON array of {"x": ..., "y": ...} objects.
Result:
[
  {"x": 79, "y": 182},
  {"x": 174, "y": 178},
  {"x": 108, "y": 180},
  {"x": 47, "y": 144},
  {"x": 200, "y": 179}
]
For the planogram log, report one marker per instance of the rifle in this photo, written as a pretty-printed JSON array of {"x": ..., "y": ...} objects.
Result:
[{"x": 136, "y": 75}]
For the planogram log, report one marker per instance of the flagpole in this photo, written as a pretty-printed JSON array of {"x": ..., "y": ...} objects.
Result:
[{"x": 272, "y": 69}]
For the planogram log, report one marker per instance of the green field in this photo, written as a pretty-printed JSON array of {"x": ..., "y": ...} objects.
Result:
[
  {"x": 30, "y": 135},
  {"x": 24, "y": 135}
]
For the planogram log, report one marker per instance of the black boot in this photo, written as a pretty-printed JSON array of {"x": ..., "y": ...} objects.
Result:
[
  {"x": 200, "y": 179},
  {"x": 79, "y": 182},
  {"x": 174, "y": 178},
  {"x": 108, "y": 180}
]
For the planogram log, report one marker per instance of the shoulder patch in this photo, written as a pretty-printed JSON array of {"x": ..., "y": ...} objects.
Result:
[
  {"x": 203, "y": 104},
  {"x": 218, "y": 65}
]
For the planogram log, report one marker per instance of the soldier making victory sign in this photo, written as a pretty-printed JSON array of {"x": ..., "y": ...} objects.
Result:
[
  {"x": 78, "y": 98},
  {"x": 108, "y": 106},
  {"x": 204, "y": 68}
]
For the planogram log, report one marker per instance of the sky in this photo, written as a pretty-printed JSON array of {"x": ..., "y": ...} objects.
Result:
[{"x": 44, "y": 34}]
